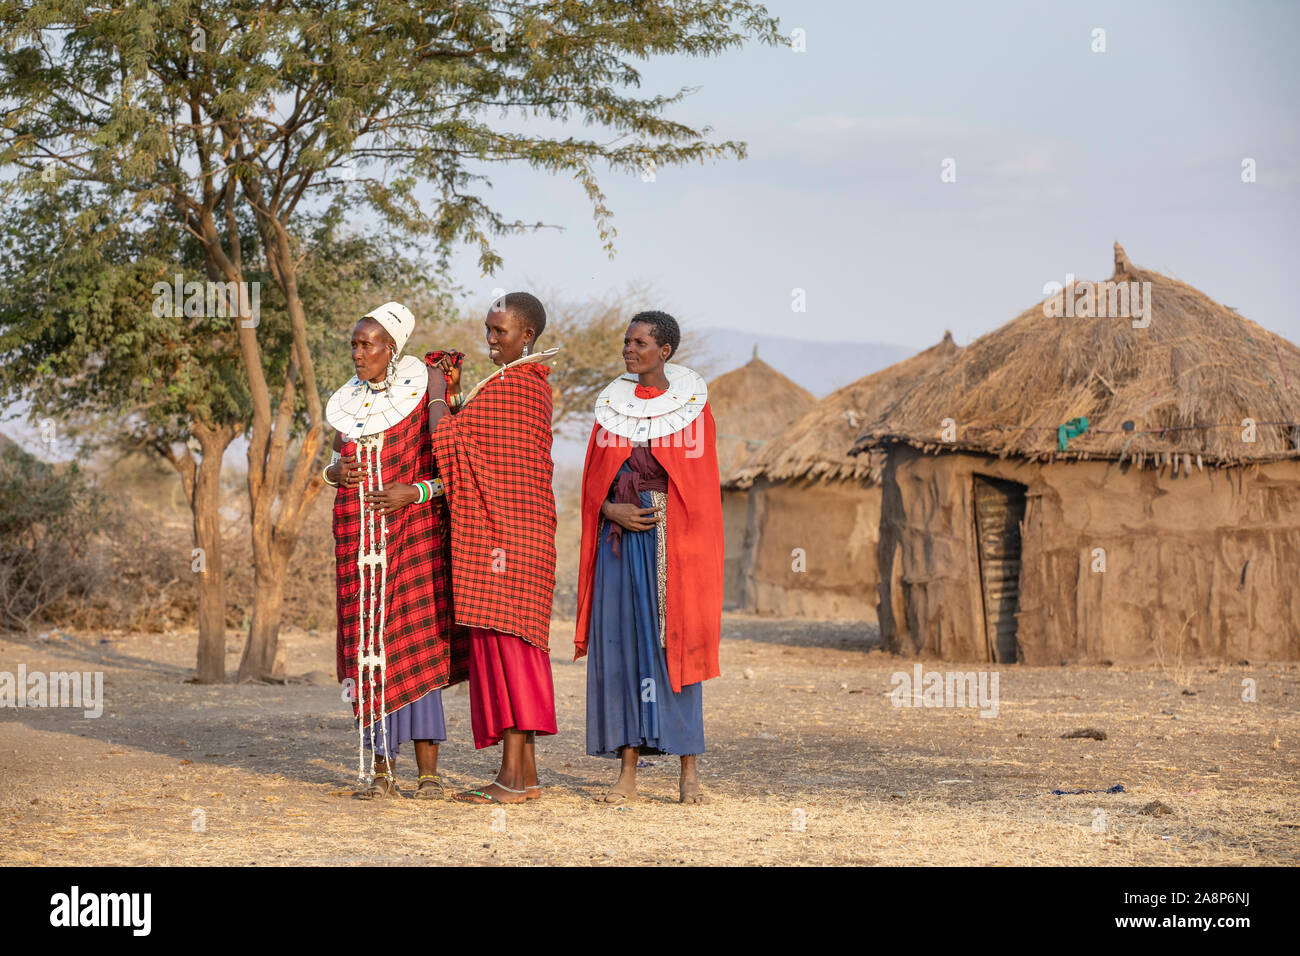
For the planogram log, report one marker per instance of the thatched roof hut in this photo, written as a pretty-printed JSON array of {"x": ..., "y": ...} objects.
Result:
[
  {"x": 816, "y": 445},
  {"x": 1086, "y": 485},
  {"x": 810, "y": 532},
  {"x": 751, "y": 405}
]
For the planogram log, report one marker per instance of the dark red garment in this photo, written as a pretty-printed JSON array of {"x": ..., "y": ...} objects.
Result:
[
  {"x": 509, "y": 686},
  {"x": 495, "y": 458},
  {"x": 645, "y": 474},
  {"x": 418, "y": 626},
  {"x": 693, "y": 604}
]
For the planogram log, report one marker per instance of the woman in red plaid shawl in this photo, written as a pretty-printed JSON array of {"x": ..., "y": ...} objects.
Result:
[
  {"x": 495, "y": 456},
  {"x": 392, "y": 559}
]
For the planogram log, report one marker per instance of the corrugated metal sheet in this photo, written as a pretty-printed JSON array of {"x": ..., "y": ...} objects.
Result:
[{"x": 999, "y": 511}]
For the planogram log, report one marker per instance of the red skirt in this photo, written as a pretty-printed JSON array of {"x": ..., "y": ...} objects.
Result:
[{"x": 509, "y": 686}]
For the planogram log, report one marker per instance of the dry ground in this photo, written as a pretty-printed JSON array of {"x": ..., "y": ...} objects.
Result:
[{"x": 808, "y": 763}]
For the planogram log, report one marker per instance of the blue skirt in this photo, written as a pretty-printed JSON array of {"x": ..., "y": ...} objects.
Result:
[
  {"x": 630, "y": 701},
  {"x": 419, "y": 720}
]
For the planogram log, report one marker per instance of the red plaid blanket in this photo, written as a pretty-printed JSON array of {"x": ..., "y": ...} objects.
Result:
[
  {"x": 495, "y": 457},
  {"x": 418, "y": 629}
]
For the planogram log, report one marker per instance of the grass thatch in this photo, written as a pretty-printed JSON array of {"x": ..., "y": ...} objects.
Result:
[
  {"x": 817, "y": 444},
  {"x": 751, "y": 405},
  {"x": 1185, "y": 383}
]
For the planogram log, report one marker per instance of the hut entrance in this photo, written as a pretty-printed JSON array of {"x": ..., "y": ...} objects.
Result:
[{"x": 999, "y": 509}]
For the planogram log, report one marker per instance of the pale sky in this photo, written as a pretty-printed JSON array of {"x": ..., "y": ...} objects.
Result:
[{"x": 1059, "y": 151}]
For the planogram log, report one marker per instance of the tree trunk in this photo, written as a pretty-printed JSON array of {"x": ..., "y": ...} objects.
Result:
[
  {"x": 279, "y": 495},
  {"x": 202, "y": 483},
  {"x": 209, "y": 563},
  {"x": 258, "y": 662},
  {"x": 273, "y": 546}
]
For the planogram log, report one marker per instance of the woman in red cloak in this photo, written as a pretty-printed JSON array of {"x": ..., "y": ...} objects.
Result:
[
  {"x": 394, "y": 644},
  {"x": 650, "y": 574},
  {"x": 494, "y": 456}
]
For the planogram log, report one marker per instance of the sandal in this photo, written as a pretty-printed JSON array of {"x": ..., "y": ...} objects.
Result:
[
  {"x": 485, "y": 797},
  {"x": 434, "y": 791},
  {"x": 532, "y": 796},
  {"x": 376, "y": 791}
]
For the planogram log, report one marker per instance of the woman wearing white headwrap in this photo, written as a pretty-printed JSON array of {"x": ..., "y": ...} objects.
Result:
[{"x": 392, "y": 560}]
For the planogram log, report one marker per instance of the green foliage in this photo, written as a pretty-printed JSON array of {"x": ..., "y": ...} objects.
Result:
[
  {"x": 180, "y": 133},
  {"x": 84, "y": 339},
  {"x": 230, "y": 140},
  {"x": 171, "y": 104}
]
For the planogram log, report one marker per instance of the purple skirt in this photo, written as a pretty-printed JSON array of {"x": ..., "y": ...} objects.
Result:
[{"x": 419, "y": 720}]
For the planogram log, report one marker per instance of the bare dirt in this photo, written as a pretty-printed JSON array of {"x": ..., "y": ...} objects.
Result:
[{"x": 809, "y": 763}]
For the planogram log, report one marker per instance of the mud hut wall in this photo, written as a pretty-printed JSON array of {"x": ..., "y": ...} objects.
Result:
[
  {"x": 929, "y": 599},
  {"x": 834, "y": 523},
  {"x": 1199, "y": 564},
  {"x": 1196, "y": 565},
  {"x": 735, "y": 518}
]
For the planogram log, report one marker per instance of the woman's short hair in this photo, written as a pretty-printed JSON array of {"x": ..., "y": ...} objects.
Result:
[
  {"x": 663, "y": 327},
  {"x": 529, "y": 308}
]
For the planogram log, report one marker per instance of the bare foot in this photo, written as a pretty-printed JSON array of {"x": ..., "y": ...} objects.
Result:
[{"x": 691, "y": 791}]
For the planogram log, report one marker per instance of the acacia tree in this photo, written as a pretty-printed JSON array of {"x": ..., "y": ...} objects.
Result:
[
  {"x": 81, "y": 339},
  {"x": 190, "y": 113}
]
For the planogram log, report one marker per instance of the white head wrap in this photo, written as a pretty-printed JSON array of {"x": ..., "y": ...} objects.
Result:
[{"x": 397, "y": 321}]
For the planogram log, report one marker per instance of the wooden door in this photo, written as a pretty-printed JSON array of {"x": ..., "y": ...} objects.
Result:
[{"x": 999, "y": 511}]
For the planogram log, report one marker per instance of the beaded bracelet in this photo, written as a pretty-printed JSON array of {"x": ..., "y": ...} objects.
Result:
[{"x": 428, "y": 490}]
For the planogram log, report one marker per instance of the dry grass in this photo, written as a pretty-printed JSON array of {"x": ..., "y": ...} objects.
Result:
[{"x": 800, "y": 727}]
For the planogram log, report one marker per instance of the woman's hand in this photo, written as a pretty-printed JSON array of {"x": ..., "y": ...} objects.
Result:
[
  {"x": 392, "y": 498},
  {"x": 630, "y": 516},
  {"x": 345, "y": 472},
  {"x": 448, "y": 367}
]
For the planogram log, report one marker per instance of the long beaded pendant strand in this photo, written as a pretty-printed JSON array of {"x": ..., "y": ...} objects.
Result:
[{"x": 372, "y": 566}]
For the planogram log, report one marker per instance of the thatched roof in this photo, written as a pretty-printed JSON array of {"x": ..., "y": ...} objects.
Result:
[
  {"x": 817, "y": 444},
  {"x": 1183, "y": 385},
  {"x": 751, "y": 405}
]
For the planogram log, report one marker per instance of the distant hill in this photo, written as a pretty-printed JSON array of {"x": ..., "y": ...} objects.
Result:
[{"x": 820, "y": 367}]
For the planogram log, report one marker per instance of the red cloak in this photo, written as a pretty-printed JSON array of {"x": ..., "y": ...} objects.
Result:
[
  {"x": 494, "y": 456},
  {"x": 693, "y": 607},
  {"x": 419, "y": 642}
]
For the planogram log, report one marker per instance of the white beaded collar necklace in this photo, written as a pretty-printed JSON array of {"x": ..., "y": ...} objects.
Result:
[
  {"x": 620, "y": 411},
  {"x": 359, "y": 408}
]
